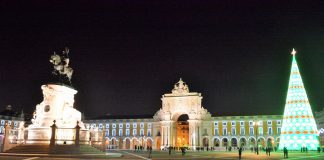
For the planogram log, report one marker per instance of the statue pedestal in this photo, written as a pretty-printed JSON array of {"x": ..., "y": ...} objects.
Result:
[{"x": 57, "y": 105}]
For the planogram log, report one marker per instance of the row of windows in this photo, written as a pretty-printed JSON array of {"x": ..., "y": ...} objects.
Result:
[
  {"x": 242, "y": 131},
  {"x": 134, "y": 133},
  {"x": 120, "y": 125},
  {"x": 251, "y": 123},
  {"x": 3, "y": 122}
]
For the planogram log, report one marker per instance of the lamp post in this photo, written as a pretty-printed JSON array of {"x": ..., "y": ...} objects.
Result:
[{"x": 256, "y": 136}]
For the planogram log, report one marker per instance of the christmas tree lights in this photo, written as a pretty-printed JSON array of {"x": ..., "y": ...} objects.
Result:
[{"x": 298, "y": 127}]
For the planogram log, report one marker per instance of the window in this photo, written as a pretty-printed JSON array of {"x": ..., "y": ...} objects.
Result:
[
  {"x": 107, "y": 125},
  {"x": 269, "y": 123},
  {"x": 224, "y": 131},
  {"x": 260, "y": 123},
  {"x": 113, "y": 133},
  {"x": 1, "y": 129},
  {"x": 142, "y": 125},
  {"x": 215, "y": 123},
  {"x": 93, "y": 125},
  {"x": 242, "y": 130},
  {"x": 134, "y": 125},
  {"x": 270, "y": 130},
  {"x": 127, "y": 125},
  {"x": 127, "y": 132},
  {"x": 100, "y": 125},
  {"x": 251, "y": 123},
  {"x": 242, "y": 123},
  {"x": 216, "y": 131},
  {"x": 142, "y": 132},
  {"x": 251, "y": 131},
  {"x": 107, "y": 133},
  {"x": 260, "y": 131},
  {"x": 134, "y": 132},
  {"x": 9, "y": 123},
  {"x": 16, "y": 124},
  {"x": 279, "y": 122},
  {"x": 120, "y": 125},
  {"x": 224, "y": 123},
  {"x": 120, "y": 132},
  {"x": 233, "y": 131},
  {"x": 114, "y": 125},
  {"x": 149, "y": 132},
  {"x": 279, "y": 130},
  {"x": 233, "y": 123},
  {"x": 149, "y": 125}
]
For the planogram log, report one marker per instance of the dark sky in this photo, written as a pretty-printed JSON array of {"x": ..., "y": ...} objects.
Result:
[{"x": 126, "y": 54}]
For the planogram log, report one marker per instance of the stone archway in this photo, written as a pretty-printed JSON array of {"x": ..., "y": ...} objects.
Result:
[
  {"x": 175, "y": 104},
  {"x": 242, "y": 142},
  {"x": 270, "y": 142},
  {"x": 120, "y": 143},
  {"x": 127, "y": 143},
  {"x": 216, "y": 142},
  {"x": 205, "y": 142},
  {"x": 182, "y": 131},
  {"x": 252, "y": 142},
  {"x": 234, "y": 142},
  {"x": 225, "y": 142}
]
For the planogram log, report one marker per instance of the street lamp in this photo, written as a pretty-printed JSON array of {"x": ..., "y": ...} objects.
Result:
[{"x": 256, "y": 136}]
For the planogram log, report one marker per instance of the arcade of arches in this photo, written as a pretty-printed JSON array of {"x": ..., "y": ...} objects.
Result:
[{"x": 183, "y": 121}]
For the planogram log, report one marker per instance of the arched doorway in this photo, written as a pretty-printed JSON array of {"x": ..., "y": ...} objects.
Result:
[
  {"x": 270, "y": 142},
  {"x": 120, "y": 143},
  {"x": 252, "y": 142},
  {"x": 234, "y": 142},
  {"x": 261, "y": 142},
  {"x": 224, "y": 142},
  {"x": 149, "y": 142},
  {"x": 206, "y": 142},
  {"x": 135, "y": 143},
  {"x": 216, "y": 142},
  {"x": 182, "y": 125},
  {"x": 127, "y": 143},
  {"x": 113, "y": 143},
  {"x": 158, "y": 142},
  {"x": 242, "y": 142}
]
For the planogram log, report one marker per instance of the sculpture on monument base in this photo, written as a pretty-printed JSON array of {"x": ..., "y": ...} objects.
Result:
[{"x": 57, "y": 105}]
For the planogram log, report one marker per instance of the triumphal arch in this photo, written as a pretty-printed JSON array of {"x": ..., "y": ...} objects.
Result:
[{"x": 182, "y": 103}]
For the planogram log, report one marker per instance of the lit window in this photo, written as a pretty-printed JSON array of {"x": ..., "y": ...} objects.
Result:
[
  {"x": 233, "y": 123},
  {"x": 107, "y": 125},
  {"x": 120, "y": 125},
  {"x": 113, "y": 132},
  {"x": 2, "y": 122},
  {"x": 134, "y": 125},
  {"x": 242, "y": 130},
  {"x": 224, "y": 131},
  {"x": 127, "y": 132},
  {"x": 149, "y": 132},
  {"x": 120, "y": 132},
  {"x": 100, "y": 125},
  {"x": 142, "y": 132},
  {"x": 216, "y": 131},
  {"x": 113, "y": 125},
  {"x": 270, "y": 130},
  {"x": 134, "y": 132},
  {"x": 233, "y": 131},
  {"x": 127, "y": 125},
  {"x": 251, "y": 131},
  {"x": 16, "y": 124},
  {"x": 142, "y": 125},
  {"x": 279, "y": 130},
  {"x": 149, "y": 125}
]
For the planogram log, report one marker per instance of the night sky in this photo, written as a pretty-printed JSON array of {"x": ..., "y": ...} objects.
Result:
[{"x": 126, "y": 54}]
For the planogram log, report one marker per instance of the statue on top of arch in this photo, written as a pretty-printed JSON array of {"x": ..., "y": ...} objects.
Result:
[
  {"x": 62, "y": 71},
  {"x": 180, "y": 87}
]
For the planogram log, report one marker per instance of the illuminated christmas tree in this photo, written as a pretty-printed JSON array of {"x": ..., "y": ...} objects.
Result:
[{"x": 298, "y": 127}]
